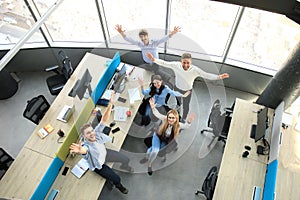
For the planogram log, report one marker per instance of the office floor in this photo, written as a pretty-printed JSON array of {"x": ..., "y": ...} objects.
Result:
[{"x": 177, "y": 178}]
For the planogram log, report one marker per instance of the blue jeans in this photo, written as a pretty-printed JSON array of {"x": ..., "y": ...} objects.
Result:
[{"x": 154, "y": 149}]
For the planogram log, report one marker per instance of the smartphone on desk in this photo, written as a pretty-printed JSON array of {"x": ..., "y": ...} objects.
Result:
[{"x": 115, "y": 130}]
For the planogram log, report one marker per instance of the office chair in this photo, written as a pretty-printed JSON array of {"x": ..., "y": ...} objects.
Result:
[
  {"x": 218, "y": 122},
  {"x": 56, "y": 82},
  {"x": 209, "y": 184},
  {"x": 36, "y": 109},
  {"x": 5, "y": 161}
]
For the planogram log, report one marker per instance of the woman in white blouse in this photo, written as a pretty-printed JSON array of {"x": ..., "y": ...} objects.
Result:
[{"x": 167, "y": 132}]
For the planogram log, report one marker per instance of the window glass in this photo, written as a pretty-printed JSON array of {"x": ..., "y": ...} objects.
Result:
[
  {"x": 138, "y": 14},
  {"x": 15, "y": 21},
  {"x": 263, "y": 41},
  {"x": 74, "y": 21},
  {"x": 206, "y": 23}
]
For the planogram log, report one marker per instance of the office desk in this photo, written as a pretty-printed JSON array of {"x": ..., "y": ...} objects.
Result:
[
  {"x": 30, "y": 166},
  {"x": 288, "y": 173},
  {"x": 49, "y": 145},
  {"x": 24, "y": 175},
  {"x": 237, "y": 175},
  {"x": 90, "y": 184}
]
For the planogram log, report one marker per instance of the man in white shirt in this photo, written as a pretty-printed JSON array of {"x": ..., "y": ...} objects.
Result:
[{"x": 185, "y": 74}]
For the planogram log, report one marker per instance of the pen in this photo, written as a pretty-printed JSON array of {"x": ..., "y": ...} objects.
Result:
[{"x": 112, "y": 141}]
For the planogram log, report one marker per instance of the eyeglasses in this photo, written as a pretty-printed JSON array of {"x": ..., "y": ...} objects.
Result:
[{"x": 171, "y": 117}]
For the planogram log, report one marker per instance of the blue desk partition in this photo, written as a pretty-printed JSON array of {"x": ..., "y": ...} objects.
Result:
[
  {"x": 106, "y": 77},
  {"x": 270, "y": 181},
  {"x": 48, "y": 179}
]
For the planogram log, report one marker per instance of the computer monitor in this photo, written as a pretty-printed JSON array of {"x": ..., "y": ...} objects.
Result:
[
  {"x": 119, "y": 80},
  {"x": 262, "y": 124},
  {"x": 82, "y": 86}
]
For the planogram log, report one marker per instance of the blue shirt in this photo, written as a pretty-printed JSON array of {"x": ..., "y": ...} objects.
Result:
[
  {"x": 96, "y": 151},
  {"x": 151, "y": 47},
  {"x": 159, "y": 100}
]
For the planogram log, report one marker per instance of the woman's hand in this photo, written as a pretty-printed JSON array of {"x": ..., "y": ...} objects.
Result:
[
  {"x": 187, "y": 93},
  {"x": 151, "y": 102},
  {"x": 141, "y": 82}
]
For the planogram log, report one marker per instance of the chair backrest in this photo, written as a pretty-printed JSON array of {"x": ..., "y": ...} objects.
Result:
[
  {"x": 67, "y": 68},
  {"x": 36, "y": 109},
  {"x": 219, "y": 122},
  {"x": 209, "y": 183},
  {"x": 5, "y": 161}
]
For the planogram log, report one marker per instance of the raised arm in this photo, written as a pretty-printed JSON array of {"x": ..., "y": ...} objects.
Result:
[
  {"x": 223, "y": 76},
  {"x": 176, "y": 30},
  {"x": 155, "y": 111},
  {"x": 108, "y": 109},
  {"x": 188, "y": 122},
  {"x": 161, "y": 62},
  {"x": 77, "y": 148},
  {"x": 120, "y": 30}
]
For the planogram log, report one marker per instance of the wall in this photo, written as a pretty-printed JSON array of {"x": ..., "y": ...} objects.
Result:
[{"x": 39, "y": 59}]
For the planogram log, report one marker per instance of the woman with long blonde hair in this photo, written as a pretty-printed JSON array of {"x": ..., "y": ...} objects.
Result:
[{"x": 167, "y": 133}]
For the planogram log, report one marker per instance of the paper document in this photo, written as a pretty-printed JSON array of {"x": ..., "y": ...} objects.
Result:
[
  {"x": 120, "y": 113},
  {"x": 134, "y": 95},
  {"x": 80, "y": 168}
]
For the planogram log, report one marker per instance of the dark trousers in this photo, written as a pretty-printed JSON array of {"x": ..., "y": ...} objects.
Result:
[
  {"x": 185, "y": 102},
  {"x": 107, "y": 173}
]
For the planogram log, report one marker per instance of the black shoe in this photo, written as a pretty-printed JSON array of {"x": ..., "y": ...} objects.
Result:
[
  {"x": 144, "y": 160},
  {"x": 150, "y": 171},
  {"x": 123, "y": 189}
]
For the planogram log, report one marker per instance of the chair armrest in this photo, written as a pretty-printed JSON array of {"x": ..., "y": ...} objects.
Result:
[
  {"x": 59, "y": 87},
  {"x": 52, "y": 68}
]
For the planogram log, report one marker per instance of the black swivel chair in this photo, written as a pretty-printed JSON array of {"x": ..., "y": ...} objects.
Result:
[
  {"x": 209, "y": 184},
  {"x": 36, "y": 109},
  {"x": 5, "y": 161},
  {"x": 56, "y": 82},
  {"x": 219, "y": 122}
]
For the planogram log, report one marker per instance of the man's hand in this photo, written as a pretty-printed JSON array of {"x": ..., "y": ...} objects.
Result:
[
  {"x": 120, "y": 30},
  {"x": 141, "y": 82},
  {"x": 77, "y": 148},
  {"x": 223, "y": 76},
  {"x": 150, "y": 56},
  {"x": 176, "y": 30},
  {"x": 191, "y": 118},
  {"x": 112, "y": 97},
  {"x": 187, "y": 93}
]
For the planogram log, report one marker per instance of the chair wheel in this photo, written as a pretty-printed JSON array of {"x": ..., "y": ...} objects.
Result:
[{"x": 202, "y": 132}]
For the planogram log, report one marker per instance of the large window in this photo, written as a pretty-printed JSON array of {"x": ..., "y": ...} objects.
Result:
[
  {"x": 263, "y": 41},
  {"x": 207, "y": 24},
  {"x": 254, "y": 39},
  {"x": 15, "y": 21},
  {"x": 138, "y": 14},
  {"x": 74, "y": 21}
]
